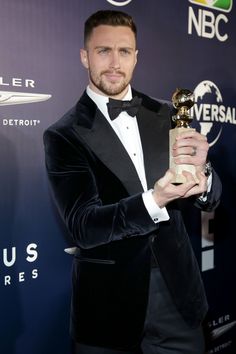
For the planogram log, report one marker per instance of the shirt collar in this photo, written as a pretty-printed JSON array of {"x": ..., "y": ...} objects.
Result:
[{"x": 101, "y": 101}]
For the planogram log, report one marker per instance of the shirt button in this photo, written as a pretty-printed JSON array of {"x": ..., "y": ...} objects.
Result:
[{"x": 155, "y": 219}]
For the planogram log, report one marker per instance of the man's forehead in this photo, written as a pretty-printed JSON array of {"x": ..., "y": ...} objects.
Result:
[{"x": 111, "y": 34}]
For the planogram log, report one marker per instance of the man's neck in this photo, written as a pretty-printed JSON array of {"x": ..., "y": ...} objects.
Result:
[{"x": 125, "y": 95}]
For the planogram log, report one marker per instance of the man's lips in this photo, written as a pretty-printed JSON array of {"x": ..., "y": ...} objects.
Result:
[{"x": 113, "y": 76}]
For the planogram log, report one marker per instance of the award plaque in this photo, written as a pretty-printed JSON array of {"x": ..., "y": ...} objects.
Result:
[{"x": 182, "y": 100}]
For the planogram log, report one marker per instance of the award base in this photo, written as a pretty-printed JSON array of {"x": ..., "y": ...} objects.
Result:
[{"x": 178, "y": 169}]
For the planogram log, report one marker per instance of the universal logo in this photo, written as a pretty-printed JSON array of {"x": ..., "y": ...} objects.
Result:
[
  {"x": 8, "y": 98},
  {"x": 209, "y": 21},
  {"x": 210, "y": 112},
  {"x": 13, "y": 256}
]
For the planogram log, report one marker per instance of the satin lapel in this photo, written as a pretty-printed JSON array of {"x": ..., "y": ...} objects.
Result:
[
  {"x": 154, "y": 132},
  {"x": 107, "y": 147}
]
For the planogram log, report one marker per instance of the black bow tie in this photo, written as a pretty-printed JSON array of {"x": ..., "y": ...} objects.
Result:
[{"x": 115, "y": 107}]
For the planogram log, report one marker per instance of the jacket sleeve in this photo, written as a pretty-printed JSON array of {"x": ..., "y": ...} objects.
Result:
[
  {"x": 75, "y": 191},
  {"x": 213, "y": 197}
]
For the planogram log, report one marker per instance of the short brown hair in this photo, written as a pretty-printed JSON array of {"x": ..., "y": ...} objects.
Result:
[{"x": 110, "y": 18}]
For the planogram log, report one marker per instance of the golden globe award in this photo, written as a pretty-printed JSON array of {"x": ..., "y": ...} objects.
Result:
[{"x": 182, "y": 100}]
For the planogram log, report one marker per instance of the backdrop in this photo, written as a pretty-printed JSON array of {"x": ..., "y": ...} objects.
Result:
[{"x": 190, "y": 44}]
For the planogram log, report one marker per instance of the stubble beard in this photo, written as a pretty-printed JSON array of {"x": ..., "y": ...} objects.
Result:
[{"x": 107, "y": 88}]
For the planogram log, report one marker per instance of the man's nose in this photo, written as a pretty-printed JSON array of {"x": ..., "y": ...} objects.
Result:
[{"x": 115, "y": 60}]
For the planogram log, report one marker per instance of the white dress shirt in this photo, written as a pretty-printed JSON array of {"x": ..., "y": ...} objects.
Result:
[{"x": 126, "y": 128}]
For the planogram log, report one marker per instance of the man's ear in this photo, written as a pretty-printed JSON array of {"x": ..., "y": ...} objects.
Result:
[
  {"x": 84, "y": 57},
  {"x": 136, "y": 56}
]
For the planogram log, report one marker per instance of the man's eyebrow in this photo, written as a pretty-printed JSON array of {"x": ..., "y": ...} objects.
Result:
[
  {"x": 127, "y": 47},
  {"x": 103, "y": 46},
  {"x": 108, "y": 47}
]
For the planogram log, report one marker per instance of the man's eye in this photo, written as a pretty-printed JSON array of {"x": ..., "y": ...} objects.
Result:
[
  {"x": 103, "y": 51},
  {"x": 124, "y": 51}
]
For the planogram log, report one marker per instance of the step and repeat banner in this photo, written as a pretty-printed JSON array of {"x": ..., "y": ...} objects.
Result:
[{"x": 189, "y": 44}]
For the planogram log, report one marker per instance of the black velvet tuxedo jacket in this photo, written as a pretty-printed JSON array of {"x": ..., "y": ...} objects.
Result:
[{"x": 99, "y": 196}]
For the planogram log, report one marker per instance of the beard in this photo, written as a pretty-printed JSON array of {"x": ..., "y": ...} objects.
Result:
[{"x": 108, "y": 88}]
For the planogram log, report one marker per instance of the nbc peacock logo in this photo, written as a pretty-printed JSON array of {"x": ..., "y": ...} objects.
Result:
[{"x": 221, "y": 5}]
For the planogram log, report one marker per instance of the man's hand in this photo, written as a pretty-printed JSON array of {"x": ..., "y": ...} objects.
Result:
[
  {"x": 165, "y": 192},
  {"x": 191, "y": 148}
]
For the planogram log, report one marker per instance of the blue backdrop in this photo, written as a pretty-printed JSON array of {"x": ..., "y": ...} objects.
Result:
[{"x": 189, "y": 44}]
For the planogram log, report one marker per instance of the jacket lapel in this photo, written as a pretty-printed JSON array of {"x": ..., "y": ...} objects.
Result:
[
  {"x": 102, "y": 140},
  {"x": 154, "y": 132}
]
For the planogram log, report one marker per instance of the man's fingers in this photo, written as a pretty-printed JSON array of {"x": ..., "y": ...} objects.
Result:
[
  {"x": 191, "y": 134},
  {"x": 166, "y": 179}
]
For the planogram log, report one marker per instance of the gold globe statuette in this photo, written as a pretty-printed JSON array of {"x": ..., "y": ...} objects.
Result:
[{"x": 183, "y": 101}]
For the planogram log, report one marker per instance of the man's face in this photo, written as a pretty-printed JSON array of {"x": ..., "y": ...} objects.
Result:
[{"x": 110, "y": 57}]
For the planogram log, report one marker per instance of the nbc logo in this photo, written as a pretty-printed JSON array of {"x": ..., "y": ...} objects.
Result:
[
  {"x": 221, "y": 5},
  {"x": 206, "y": 23}
]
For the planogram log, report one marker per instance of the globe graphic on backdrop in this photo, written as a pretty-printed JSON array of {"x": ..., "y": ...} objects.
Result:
[{"x": 208, "y": 93}]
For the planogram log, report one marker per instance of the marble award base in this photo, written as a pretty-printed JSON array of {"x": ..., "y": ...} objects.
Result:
[{"x": 179, "y": 177}]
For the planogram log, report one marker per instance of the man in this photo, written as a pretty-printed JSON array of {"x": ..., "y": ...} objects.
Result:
[{"x": 136, "y": 283}]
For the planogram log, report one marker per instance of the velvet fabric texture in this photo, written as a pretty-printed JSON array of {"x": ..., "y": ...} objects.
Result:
[{"x": 99, "y": 196}]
